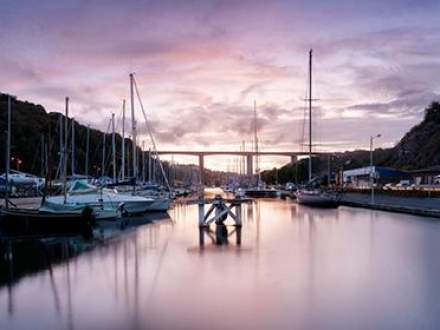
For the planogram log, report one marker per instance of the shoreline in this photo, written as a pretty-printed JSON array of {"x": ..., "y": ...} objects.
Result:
[{"x": 421, "y": 206}]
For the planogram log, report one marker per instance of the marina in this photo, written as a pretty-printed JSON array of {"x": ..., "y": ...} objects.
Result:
[{"x": 219, "y": 165}]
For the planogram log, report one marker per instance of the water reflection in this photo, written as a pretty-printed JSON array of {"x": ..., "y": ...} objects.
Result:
[
  {"x": 220, "y": 235},
  {"x": 287, "y": 267}
]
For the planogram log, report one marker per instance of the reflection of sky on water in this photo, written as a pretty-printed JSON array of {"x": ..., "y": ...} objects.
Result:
[{"x": 295, "y": 268}]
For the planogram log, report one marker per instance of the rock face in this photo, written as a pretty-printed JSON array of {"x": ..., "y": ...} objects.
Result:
[{"x": 420, "y": 147}]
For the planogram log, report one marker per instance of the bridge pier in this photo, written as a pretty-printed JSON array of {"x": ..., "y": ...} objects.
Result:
[
  {"x": 202, "y": 169},
  {"x": 293, "y": 159},
  {"x": 249, "y": 165}
]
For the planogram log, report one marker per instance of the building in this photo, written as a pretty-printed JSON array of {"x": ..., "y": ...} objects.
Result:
[
  {"x": 427, "y": 176},
  {"x": 360, "y": 177}
]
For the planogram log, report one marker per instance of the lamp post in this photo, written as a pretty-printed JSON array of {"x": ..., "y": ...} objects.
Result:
[{"x": 372, "y": 172}]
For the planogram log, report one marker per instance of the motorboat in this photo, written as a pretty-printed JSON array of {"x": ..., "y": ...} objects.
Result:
[
  {"x": 159, "y": 204},
  {"x": 317, "y": 198},
  {"x": 262, "y": 192},
  {"x": 17, "y": 178},
  {"x": 106, "y": 203},
  {"x": 161, "y": 198}
]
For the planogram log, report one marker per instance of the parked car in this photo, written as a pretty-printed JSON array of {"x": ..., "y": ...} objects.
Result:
[
  {"x": 291, "y": 186},
  {"x": 388, "y": 186}
]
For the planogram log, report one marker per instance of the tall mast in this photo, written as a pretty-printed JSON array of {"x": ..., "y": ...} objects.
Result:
[
  {"x": 87, "y": 151},
  {"x": 8, "y": 153},
  {"x": 128, "y": 157},
  {"x": 42, "y": 156},
  {"x": 133, "y": 126},
  {"x": 73, "y": 146},
  {"x": 154, "y": 169},
  {"x": 66, "y": 135},
  {"x": 113, "y": 147},
  {"x": 257, "y": 162},
  {"x": 60, "y": 164},
  {"x": 123, "y": 142},
  {"x": 150, "y": 167},
  {"x": 103, "y": 155},
  {"x": 310, "y": 115},
  {"x": 143, "y": 161}
]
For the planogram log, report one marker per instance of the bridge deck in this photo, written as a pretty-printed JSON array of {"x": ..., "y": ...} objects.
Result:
[{"x": 233, "y": 153}]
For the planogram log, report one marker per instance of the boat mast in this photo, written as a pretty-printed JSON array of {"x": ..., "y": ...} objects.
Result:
[
  {"x": 103, "y": 155},
  {"x": 8, "y": 153},
  {"x": 87, "y": 151},
  {"x": 60, "y": 164},
  {"x": 150, "y": 167},
  {"x": 310, "y": 115},
  {"x": 143, "y": 161},
  {"x": 113, "y": 147},
  {"x": 257, "y": 161},
  {"x": 66, "y": 135},
  {"x": 133, "y": 127},
  {"x": 42, "y": 156},
  {"x": 123, "y": 142},
  {"x": 73, "y": 146}
]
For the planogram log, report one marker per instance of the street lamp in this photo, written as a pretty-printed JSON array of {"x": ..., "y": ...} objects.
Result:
[{"x": 371, "y": 166}]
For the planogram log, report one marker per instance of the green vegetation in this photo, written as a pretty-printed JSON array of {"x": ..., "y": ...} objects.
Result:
[{"x": 31, "y": 122}]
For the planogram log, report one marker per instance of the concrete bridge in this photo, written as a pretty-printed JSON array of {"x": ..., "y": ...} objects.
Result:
[{"x": 248, "y": 154}]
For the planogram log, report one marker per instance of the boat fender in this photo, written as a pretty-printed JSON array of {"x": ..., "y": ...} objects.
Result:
[
  {"x": 122, "y": 212},
  {"x": 89, "y": 215}
]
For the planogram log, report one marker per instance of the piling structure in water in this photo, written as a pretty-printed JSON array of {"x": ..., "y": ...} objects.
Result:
[{"x": 221, "y": 211}]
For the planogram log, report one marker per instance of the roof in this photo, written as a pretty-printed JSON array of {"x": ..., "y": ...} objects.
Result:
[
  {"x": 380, "y": 171},
  {"x": 432, "y": 169}
]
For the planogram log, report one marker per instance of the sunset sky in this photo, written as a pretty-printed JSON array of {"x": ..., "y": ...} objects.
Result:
[{"x": 200, "y": 64}]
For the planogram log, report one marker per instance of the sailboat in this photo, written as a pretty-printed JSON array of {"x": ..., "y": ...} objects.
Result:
[
  {"x": 106, "y": 203},
  {"x": 21, "y": 221},
  {"x": 58, "y": 205},
  {"x": 259, "y": 190},
  {"x": 313, "y": 196},
  {"x": 160, "y": 202}
]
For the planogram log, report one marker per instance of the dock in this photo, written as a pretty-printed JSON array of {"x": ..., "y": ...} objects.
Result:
[{"x": 426, "y": 207}]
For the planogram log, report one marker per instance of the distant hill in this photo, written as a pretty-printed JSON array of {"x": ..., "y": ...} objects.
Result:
[
  {"x": 31, "y": 122},
  {"x": 419, "y": 148}
]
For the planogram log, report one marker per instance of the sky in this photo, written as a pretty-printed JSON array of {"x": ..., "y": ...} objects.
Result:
[{"x": 200, "y": 64}]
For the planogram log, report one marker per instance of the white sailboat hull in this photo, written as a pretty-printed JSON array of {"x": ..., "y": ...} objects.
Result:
[
  {"x": 52, "y": 205},
  {"x": 160, "y": 205},
  {"x": 157, "y": 203},
  {"x": 105, "y": 205}
]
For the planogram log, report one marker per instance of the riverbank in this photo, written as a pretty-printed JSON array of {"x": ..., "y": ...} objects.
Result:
[{"x": 422, "y": 206}]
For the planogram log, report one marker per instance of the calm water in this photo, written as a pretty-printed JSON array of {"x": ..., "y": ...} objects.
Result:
[{"x": 295, "y": 268}]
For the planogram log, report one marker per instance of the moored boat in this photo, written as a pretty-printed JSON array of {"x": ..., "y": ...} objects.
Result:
[
  {"x": 105, "y": 202},
  {"x": 26, "y": 222},
  {"x": 261, "y": 193},
  {"x": 317, "y": 198}
]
